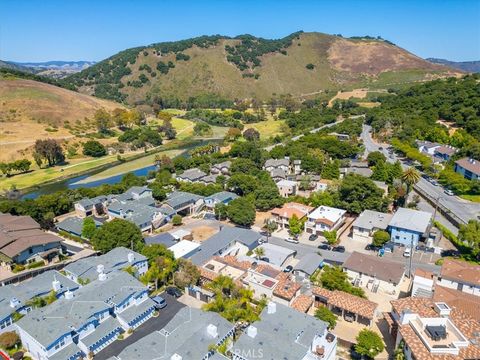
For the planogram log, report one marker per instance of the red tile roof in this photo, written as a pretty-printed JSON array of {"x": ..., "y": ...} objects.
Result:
[
  {"x": 302, "y": 303},
  {"x": 461, "y": 271}
]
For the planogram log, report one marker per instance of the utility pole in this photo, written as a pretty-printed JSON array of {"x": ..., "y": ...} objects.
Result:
[{"x": 410, "y": 260}]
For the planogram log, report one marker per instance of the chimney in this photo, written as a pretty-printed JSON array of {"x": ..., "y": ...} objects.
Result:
[
  {"x": 100, "y": 268},
  {"x": 212, "y": 331},
  {"x": 68, "y": 294},
  {"x": 131, "y": 258},
  {"x": 271, "y": 308},
  {"x": 252, "y": 331},
  {"x": 102, "y": 276},
  {"x": 442, "y": 309},
  {"x": 56, "y": 286}
]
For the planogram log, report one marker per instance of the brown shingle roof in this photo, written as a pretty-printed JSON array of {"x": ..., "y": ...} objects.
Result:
[
  {"x": 349, "y": 302},
  {"x": 461, "y": 271},
  {"x": 10, "y": 223},
  {"x": 302, "y": 303},
  {"x": 470, "y": 165},
  {"x": 375, "y": 266}
]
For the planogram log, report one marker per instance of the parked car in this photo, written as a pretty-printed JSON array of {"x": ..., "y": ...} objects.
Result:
[
  {"x": 173, "y": 291},
  {"x": 453, "y": 253},
  {"x": 407, "y": 252},
  {"x": 325, "y": 247},
  {"x": 340, "y": 249},
  {"x": 313, "y": 237},
  {"x": 159, "y": 301},
  {"x": 292, "y": 240},
  {"x": 449, "y": 192},
  {"x": 288, "y": 269},
  {"x": 372, "y": 247}
]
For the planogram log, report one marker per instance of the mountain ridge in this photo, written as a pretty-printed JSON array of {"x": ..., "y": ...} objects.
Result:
[
  {"x": 468, "y": 66},
  {"x": 247, "y": 66}
]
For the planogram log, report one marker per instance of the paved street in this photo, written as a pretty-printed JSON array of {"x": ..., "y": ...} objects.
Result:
[
  {"x": 463, "y": 209},
  {"x": 153, "y": 324}
]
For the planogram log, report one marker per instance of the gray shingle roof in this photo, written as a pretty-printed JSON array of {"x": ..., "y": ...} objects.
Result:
[
  {"x": 370, "y": 219},
  {"x": 164, "y": 239},
  {"x": 222, "y": 196},
  {"x": 276, "y": 254},
  {"x": 414, "y": 220},
  {"x": 374, "y": 266},
  {"x": 69, "y": 352},
  {"x": 277, "y": 162},
  {"x": 73, "y": 225},
  {"x": 191, "y": 174},
  {"x": 179, "y": 199},
  {"x": 220, "y": 240},
  {"x": 47, "y": 324},
  {"x": 309, "y": 263},
  {"x": 106, "y": 327},
  {"x": 114, "y": 260},
  {"x": 286, "y": 334},
  {"x": 186, "y": 335}
]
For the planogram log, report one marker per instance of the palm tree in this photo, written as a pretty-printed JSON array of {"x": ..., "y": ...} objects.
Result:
[
  {"x": 410, "y": 177},
  {"x": 259, "y": 252},
  {"x": 157, "y": 160},
  {"x": 269, "y": 226}
]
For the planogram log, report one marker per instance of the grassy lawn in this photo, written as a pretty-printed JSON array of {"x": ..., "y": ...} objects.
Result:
[
  {"x": 183, "y": 127},
  {"x": 39, "y": 176},
  {"x": 474, "y": 198},
  {"x": 267, "y": 128}
]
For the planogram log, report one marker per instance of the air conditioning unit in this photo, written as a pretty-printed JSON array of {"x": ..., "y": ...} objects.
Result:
[
  {"x": 212, "y": 330},
  {"x": 252, "y": 331}
]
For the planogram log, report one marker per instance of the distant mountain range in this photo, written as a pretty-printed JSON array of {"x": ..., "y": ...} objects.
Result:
[
  {"x": 54, "y": 69},
  {"x": 468, "y": 66}
]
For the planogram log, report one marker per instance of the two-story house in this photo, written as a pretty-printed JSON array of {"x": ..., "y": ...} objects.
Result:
[
  {"x": 324, "y": 218},
  {"x": 368, "y": 223},
  {"x": 408, "y": 226},
  {"x": 461, "y": 276},
  {"x": 222, "y": 197},
  {"x": 281, "y": 216}
]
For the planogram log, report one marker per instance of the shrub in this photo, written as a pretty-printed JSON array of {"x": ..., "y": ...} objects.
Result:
[
  {"x": 176, "y": 220},
  {"x": 94, "y": 148},
  {"x": 310, "y": 66},
  {"x": 9, "y": 339}
]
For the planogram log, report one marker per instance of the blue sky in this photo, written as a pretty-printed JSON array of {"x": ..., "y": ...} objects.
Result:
[{"x": 93, "y": 30}]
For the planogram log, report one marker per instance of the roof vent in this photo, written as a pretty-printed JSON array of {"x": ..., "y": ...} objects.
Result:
[
  {"x": 212, "y": 330},
  {"x": 14, "y": 302},
  {"x": 100, "y": 268},
  {"x": 102, "y": 276},
  {"x": 442, "y": 309},
  {"x": 176, "y": 357},
  {"x": 252, "y": 331},
  {"x": 68, "y": 294},
  {"x": 271, "y": 308},
  {"x": 130, "y": 257}
]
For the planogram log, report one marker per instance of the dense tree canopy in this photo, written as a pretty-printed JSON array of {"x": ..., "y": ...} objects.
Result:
[{"x": 115, "y": 233}]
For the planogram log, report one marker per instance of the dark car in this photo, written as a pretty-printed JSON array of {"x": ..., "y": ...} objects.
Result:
[
  {"x": 372, "y": 247},
  {"x": 173, "y": 291},
  {"x": 288, "y": 269},
  {"x": 453, "y": 253},
  {"x": 159, "y": 301},
  {"x": 324, "y": 247},
  {"x": 340, "y": 249},
  {"x": 313, "y": 237}
]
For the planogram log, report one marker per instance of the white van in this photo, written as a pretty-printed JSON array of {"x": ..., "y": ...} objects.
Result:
[{"x": 408, "y": 252}]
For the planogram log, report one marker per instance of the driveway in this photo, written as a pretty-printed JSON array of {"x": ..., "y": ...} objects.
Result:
[{"x": 153, "y": 324}]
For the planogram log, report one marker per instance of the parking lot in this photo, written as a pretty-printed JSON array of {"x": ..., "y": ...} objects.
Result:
[{"x": 153, "y": 324}]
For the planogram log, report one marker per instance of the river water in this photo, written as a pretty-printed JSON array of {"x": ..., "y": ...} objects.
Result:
[{"x": 72, "y": 182}]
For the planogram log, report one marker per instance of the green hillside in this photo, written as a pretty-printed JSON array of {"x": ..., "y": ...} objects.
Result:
[{"x": 247, "y": 66}]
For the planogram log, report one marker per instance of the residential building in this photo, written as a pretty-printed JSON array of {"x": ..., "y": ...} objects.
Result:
[
  {"x": 324, "y": 218},
  {"x": 287, "y": 188},
  {"x": 349, "y": 307},
  {"x": 422, "y": 284},
  {"x": 429, "y": 329},
  {"x": 307, "y": 265},
  {"x": 297, "y": 166},
  {"x": 468, "y": 168},
  {"x": 164, "y": 238},
  {"x": 146, "y": 217},
  {"x": 374, "y": 273},
  {"x": 281, "y": 216},
  {"x": 285, "y": 333},
  {"x": 408, "y": 226},
  {"x": 22, "y": 241},
  {"x": 444, "y": 153},
  {"x": 189, "y": 335},
  {"x": 357, "y": 167},
  {"x": 88, "y": 207},
  {"x": 272, "y": 164},
  {"x": 228, "y": 241},
  {"x": 222, "y": 168},
  {"x": 190, "y": 175},
  {"x": 427, "y": 147},
  {"x": 302, "y": 303},
  {"x": 467, "y": 303},
  {"x": 322, "y": 185},
  {"x": 87, "y": 269},
  {"x": 184, "y": 249},
  {"x": 15, "y": 298},
  {"x": 278, "y": 174},
  {"x": 227, "y": 266},
  {"x": 368, "y": 223},
  {"x": 460, "y": 275},
  {"x": 277, "y": 255},
  {"x": 262, "y": 281},
  {"x": 184, "y": 203},
  {"x": 286, "y": 290},
  {"x": 74, "y": 225},
  {"x": 89, "y": 319},
  {"x": 208, "y": 179},
  {"x": 222, "y": 197}
]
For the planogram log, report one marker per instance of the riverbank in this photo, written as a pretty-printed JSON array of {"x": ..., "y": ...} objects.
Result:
[{"x": 129, "y": 166}]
